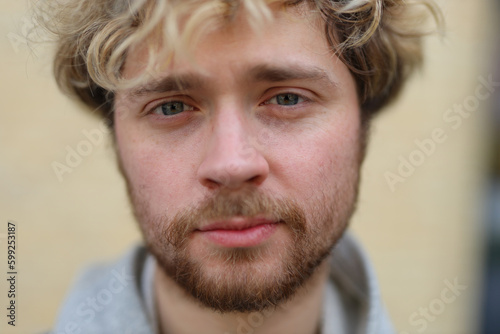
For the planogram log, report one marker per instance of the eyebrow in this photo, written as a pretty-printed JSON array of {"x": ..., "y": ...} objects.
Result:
[
  {"x": 258, "y": 73},
  {"x": 171, "y": 83},
  {"x": 273, "y": 73}
]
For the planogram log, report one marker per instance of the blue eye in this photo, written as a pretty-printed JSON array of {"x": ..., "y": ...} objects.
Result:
[
  {"x": 287, "y": 99},
  {"x": 172, "y": 108}
]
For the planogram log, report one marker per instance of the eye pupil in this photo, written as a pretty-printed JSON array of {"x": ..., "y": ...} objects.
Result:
[
  {"x": 288, "y": 99},
  {"x": 172, "y": 108}
]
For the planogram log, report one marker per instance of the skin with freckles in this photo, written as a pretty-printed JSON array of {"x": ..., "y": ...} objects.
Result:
[{"x": 263, "y": 132}]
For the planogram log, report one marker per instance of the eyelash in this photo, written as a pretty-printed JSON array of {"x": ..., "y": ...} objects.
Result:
[
  {"x": 300, "y": 97},
  {"x": 188, "y": 106},
  {"x": 155, "y": 106}
]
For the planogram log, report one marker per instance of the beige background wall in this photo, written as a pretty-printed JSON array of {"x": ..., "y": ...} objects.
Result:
[{"x": 426, "y": 231}]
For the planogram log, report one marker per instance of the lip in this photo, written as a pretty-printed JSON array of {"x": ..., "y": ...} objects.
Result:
[
  {"x": 239, "y": 232},
  {"x": 236, "y": 224}
]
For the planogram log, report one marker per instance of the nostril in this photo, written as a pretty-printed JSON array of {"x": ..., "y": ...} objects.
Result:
[
  {"x": 254, "y": 179},
  {"x": 211, "y": 184}
]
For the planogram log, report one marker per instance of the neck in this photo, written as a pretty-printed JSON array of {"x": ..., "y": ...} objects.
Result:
[{"x": 179, "y": 313}]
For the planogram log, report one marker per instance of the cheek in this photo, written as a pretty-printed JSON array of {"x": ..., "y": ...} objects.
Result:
[
  {"x": 154, "y": 172},
  {"x": 321, "y": 164}
]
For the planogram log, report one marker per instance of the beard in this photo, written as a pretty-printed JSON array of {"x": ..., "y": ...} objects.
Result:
[{"x": 243, "y": 279}]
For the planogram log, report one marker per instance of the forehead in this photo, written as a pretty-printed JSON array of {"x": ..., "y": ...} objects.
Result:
[{"x": 293, "y": 37}]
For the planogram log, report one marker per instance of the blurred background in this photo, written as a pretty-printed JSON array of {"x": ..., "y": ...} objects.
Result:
[{"x": 428, "y": 213}]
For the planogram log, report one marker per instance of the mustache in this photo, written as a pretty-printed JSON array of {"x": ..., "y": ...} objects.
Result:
[{"x": 225, "y": 204}]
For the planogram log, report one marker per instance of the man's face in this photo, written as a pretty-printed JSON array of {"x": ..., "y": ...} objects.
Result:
[{"x": 244, "y": 178}]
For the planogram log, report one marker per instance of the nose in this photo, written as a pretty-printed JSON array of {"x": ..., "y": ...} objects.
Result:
[{"x": 233, "y": 156}]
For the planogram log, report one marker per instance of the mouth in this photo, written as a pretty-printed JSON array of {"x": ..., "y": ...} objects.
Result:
[{"x": 239, "y": 232}]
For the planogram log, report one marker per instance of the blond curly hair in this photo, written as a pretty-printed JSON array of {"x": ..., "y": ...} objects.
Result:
[{"x": 380, "y": 41}]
